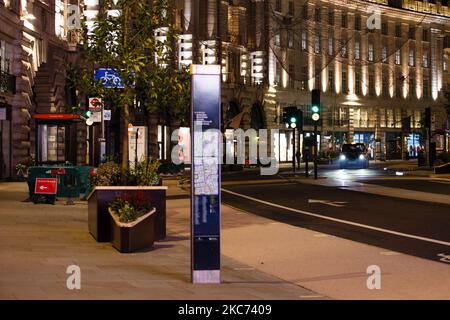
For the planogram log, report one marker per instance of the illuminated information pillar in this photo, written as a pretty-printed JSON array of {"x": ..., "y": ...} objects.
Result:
[{"x": 205, "y": 173}]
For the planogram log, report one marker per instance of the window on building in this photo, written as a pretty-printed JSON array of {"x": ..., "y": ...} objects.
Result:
[
  {"x": 278, "y": 5},
  {"x": 390, "y": 122},
  {"x": 291, "y": 8},
  {"x": 277, "y": 39},
  {"x": 357, "y": 50},
  {"x": 304, "y": 40},
  {"x": 371, "y": 53},
  {"x": 398, "y": 57},
  {"x": 384, "y": 28},
  {"x": 384, "y": 55},
  {"x": 358, "y": 83},
  {"x": 304, "y": 77},
  {"x": 412, "y": 32},
  {"x": 291, "y": 76},
  {"x": 445, "y": 66},
  {"x": 330, "y": 17},
  {"x": 411, "y": 57},
  {"x": 317, "y": 79},
  {"x": 344, "y": 82},
  {"x": 290, "y": 39},
  {"x": 5, "y": 59},
  {"x": 425, "y": 59},
  {"x": 382, "y": 115},
  {"x": 344, "y": 20},
  {"x": 330, "y": 81},
  {"x": 317, "y": 43},
  {"x": 398, "y": 30},
  {"x": 305, "y": 12},
  {"x": 357, "y": 22},
  {"x": 330, "y": 45},
  {"x": 425, "y": 35},
  {"x": 277, "y": 73},
  {"x": 344, "y": 48},
  {"x": 317, "y": 14}
]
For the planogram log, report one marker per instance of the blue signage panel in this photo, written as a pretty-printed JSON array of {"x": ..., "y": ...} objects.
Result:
[
  {"x": 205, "y": 192},
  {"x": 109, "y": 77}
]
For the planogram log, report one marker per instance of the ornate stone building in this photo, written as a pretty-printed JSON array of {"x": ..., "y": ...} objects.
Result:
[{"x": 33, "y": 48}]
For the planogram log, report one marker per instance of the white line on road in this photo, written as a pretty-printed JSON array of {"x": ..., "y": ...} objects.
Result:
[{"x": 339, "y": 220}]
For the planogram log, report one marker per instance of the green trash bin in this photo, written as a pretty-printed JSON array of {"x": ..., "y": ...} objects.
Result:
[
  {"x": 68, "y": 182},
  {"x": 84, "y": 173}
]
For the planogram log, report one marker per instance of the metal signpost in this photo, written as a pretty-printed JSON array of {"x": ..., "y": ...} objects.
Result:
[{"x": 205, "y": 174}]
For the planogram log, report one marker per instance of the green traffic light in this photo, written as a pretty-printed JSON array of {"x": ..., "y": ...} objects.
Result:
[
  {"x": 88, "y": 114},
  {"x": 315, "y": 109},
  {"x": 293, "y": 120}
]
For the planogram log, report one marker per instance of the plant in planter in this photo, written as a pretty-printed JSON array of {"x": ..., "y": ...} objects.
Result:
[
  {"x": 132, "y": 223},
  {"x": 110, "y": 186}
]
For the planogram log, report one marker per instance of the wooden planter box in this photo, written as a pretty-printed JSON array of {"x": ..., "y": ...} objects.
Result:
[
  {"x": 132, "y": 236},
  {"x": 99, "y": 219}
]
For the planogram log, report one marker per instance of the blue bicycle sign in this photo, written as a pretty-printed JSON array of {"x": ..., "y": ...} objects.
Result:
[{"x": 109, "y": 77}]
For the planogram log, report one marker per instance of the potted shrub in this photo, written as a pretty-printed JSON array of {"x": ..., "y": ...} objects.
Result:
[
  {"x": 132, "y": 222},
  {"x": 108, "y": 184}
]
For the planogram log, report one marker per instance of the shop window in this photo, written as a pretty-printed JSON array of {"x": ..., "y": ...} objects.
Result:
[{"x": 382, "y": 115}]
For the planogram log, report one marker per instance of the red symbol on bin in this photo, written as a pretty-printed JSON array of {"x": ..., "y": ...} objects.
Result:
[{"x": 45, "y": 186}]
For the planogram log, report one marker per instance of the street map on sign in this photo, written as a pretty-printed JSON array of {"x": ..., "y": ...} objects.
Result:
[{"x": 206, "y": 179}]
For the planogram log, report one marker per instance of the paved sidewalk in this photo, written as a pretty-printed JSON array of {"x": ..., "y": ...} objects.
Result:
[{"x": 38, "y": 242}]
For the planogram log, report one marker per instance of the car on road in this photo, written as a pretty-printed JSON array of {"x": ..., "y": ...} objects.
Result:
[{"x": 354, "y": 154}]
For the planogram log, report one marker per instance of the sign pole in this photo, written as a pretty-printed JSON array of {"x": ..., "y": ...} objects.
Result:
[
  {"x": 205, "y": 173},
  {"x": 315, "y": 150}
]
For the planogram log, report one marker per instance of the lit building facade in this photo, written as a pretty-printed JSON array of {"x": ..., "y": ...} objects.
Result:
[{"x": 374, "y": 64}]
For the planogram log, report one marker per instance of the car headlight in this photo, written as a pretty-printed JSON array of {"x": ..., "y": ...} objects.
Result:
[
  {"x": 342, "y": 157},
  {"x": 361, "y": 157}
]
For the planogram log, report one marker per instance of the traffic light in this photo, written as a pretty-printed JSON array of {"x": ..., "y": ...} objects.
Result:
[
  {"x": 292, "y": 117},
  {"x": 87, "y": 116},
  {"x": 315, "y": 104},
  {"x": 428, "y": 117}
]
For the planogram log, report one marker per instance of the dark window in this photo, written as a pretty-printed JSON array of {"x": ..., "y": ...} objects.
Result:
[
  {"x": 331, "y": 18},
  {"x": 344, "y": 21},
  {"x": 278, "y": 5},
  {"x": 357, "y": 22},
  {"x": 291, "y": 8},
  {"x": 317, "y": 14},
  {"x": 384, "y": 28},
  {"x": 398, "y": 30}
]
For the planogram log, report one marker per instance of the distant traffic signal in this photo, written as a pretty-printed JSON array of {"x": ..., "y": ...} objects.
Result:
[
  {"x": 315, "y": 104},
  {"x": 292, "y": 117}
]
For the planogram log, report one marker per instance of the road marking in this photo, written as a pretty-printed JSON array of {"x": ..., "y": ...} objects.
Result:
[
  {"x": 338, "y": 204},
  {"x": 321, "y": 235},
  {"x": 340, "y": 220},
  {"x": 444, "y": 257},
  {"x": 244, "y": 269},
  {"x": 389, "y": 253}
]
